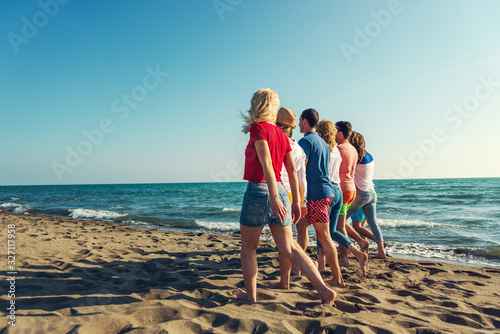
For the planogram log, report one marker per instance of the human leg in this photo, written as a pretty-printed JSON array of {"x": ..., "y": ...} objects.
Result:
[
  {"x": 333, "y": 215},
  {"x": 285, "y": 264},
  {"x": 359, "y": 226},
  {"x": 283, "y": 238},
  {"x": 323, "y": 235},
  {"x": 347, "y": 199},
  {"x": 370, "y": 211},
  {"x": 302, "y": 239},
  {"x": 249, "y": 243},
  {"x": 362, "y": 257},
  {"x": 363, "y": 244},
  {"x": 302, "y": 236},
  {"x": 358, "y": 223},
  {"x": 321, "y": 259},
  {"x": 285, "y": 268},
  {"x": 360, "y": 200}
]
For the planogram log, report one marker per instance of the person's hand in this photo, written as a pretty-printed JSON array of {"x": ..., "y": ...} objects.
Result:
[
  {"x": 303, "y": 212},
  {"x": 296, "y": 213},
  {"x": 278, "y": 209}
]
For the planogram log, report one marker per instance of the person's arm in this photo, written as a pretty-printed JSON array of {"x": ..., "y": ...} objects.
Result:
[
  {"x": 262, "y": 148},
  {"x": 294, "y": 185},
  {"x": 301, "y": 175}
]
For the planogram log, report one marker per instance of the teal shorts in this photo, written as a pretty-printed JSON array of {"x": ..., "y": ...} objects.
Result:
[{"x": 358, "y": 216}]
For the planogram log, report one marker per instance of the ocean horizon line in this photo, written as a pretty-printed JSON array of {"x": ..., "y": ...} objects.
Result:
[{"x": 228, "y": 182}]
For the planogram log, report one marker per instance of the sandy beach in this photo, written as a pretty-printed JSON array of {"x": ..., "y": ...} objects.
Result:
[{"x": 81, "y": 276}]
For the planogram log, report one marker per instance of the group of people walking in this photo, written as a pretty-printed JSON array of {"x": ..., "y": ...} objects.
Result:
[{"x": 321, "y": 180}]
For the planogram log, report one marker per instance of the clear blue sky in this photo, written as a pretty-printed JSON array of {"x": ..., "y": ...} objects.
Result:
[{"x": 419, "y": 79}]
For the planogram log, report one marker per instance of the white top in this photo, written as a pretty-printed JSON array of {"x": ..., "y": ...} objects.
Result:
[
  {"x": 334, "y": 167},
  {"x": 299, "y": 157},
  {"x": 363, "y": 178}
]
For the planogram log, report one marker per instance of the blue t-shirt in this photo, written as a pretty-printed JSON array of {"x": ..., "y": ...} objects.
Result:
[{"x": 317, "y": 152}]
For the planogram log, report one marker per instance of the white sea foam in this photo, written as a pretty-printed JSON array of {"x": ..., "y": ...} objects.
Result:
[
  {"x": 15, "y": 207},
  {"x": 139, "y": 223},
  {"x": 218, "y": 226},
  {"x": 15, "y": 198},
  {"x": 95, "y": 214},
  {"x": 230, "y": 209},
  {"x": 394, "y": 223},
  {"x": 444, "y": 253}
]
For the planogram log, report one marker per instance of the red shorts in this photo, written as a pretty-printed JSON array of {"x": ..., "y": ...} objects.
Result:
[{"x": 318, "y": 211}]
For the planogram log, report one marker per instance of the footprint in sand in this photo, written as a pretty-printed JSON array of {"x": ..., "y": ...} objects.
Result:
[
  {"x": 416, "y": 296},
  {"x": 471, "y": 273},
  {"x": 363, "y": 298},
  {"x": 434, "y": 271},
  {"x": 110, "y": 325},
  {"x": 181, "y": 326},
  {"x": 193, "y": 234},
  {"x": 279, "y": 308},
  {"x": 153, "y": 294},
  {"x": 402, "y": 267},
  {"x": 154, "y": 315},
  {"x": 454, "y": 285},
  {"x": 202, "y": 294},
  {"x": 449, "y": 304},
  {"x": 458, "y": 319}
]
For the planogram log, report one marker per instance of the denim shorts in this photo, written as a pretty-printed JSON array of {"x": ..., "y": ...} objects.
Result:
[{"x": 256, "y": 210}]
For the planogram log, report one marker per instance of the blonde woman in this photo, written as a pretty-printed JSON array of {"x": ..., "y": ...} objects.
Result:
[{"x": 266, "y": 201}]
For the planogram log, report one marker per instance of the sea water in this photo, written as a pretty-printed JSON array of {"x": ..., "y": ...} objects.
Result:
[{"x": 454, "y": 220}]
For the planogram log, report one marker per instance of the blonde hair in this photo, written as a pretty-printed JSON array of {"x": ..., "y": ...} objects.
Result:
[
  {"x": 327, "y": 131},
  {"x": 263, "y": 108}
]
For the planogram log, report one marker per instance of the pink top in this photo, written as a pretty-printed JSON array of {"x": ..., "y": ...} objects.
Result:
[{"x": 347, "y": 166}]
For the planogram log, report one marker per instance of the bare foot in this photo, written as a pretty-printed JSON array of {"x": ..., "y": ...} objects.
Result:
[
  {"x": 241, "y": 295},
  {"x": 336, "y": 283},
  {"x": 363, "y": 262},
  {"x": 379, "y": 256},
  {"x": 381, "y": 251},
  {"x": 279, "y": 285},
  {"x": 364, "y": 245},
  {"x": 321, "y": 263},
  {"x": 344, "y": 261},
  {"x": 328, "y": 297}
]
